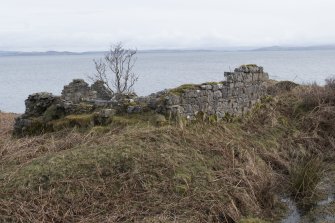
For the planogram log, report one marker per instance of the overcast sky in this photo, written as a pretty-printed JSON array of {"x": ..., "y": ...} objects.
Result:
[{"x": 80, "y": 25}]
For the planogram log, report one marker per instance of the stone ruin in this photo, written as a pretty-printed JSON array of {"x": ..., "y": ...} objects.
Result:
[
  {"x": 234, "y": 97},
  {"x": 79, "y": 91}
]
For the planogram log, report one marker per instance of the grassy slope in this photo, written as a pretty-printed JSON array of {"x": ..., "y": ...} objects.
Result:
[{"x": 141, "y": 173}]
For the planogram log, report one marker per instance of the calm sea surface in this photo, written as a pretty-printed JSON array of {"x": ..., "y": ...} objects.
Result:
[{"x": 24, "y": 75}]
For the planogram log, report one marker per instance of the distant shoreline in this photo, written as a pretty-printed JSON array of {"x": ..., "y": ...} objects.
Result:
[{"x": 262, "y": 49}]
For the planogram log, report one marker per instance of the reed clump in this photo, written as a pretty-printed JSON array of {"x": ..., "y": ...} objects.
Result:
[{"x": 306, "y": 174}]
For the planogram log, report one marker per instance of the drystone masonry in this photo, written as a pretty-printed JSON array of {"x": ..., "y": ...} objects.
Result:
[
  {"x": 101, "y": 90},
  {"x": 77, "y": 91},
  {"x": 242, "y": 89}
]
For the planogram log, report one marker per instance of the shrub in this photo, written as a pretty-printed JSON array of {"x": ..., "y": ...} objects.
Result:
[{"x": 116, "y": 70}]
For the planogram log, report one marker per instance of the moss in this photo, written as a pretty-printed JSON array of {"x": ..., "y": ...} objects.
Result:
[
  {"x": 52, "y": 113},
  {"x": 249, "y": 65},
  {"x": 143, "y": 119},
  {"x": 57, "y": 125},
  {"x": 36, "y": 127},
  {"x": 81, "y": 121},
  {"x": 215, "y": 83},
  {"x": 183, "y": 88},
  {"x": 101, "y": 120},
  {"x": 129, "y": 119},
  {"x": 212, "y": 119},
  {"x": 132, "y": 103},
  {"x": 32, "y": 126},
  {"x": 267, "y": 99},
  {"x": 229, "y": 117}
]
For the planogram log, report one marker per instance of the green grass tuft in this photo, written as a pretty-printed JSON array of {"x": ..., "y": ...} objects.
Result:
[
  {"x": 306, "y": 175},
  {"x": 183, "y": 88}
]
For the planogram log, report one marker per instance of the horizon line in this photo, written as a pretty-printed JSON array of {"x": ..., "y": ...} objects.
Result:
[{"x": 227, "y": 49}]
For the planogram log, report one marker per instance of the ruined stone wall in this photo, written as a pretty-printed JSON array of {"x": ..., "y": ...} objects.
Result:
[
  {"x": 235, "y": 96},
  {"x": 241, "y": 90},
  {"x": 77, "y": 91},
  {"x": 101, "y": 91}
]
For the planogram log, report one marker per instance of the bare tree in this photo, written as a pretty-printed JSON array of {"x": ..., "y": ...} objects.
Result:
[{"x": 115, "y": 70}]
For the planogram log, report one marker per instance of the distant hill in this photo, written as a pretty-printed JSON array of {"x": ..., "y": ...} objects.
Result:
[
  {"x": 281, "y": 48},
  {"x": 271, "y": 48}
]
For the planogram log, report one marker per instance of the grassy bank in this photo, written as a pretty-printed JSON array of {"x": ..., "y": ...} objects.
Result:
[{"x": 229, "y": 171}]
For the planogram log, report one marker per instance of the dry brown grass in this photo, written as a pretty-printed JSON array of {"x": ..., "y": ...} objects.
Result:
[
  {"x": 140, "y": 173},
  {"x": 204, "y": 173},
  {"x": 6, "y": 123}
]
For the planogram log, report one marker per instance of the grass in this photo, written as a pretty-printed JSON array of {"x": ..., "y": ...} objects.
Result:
[
  {"x": 214, "y": 83},
  {"x": 183, "y": 88},
  {"x": 306, "y": 175},
  {"x": 161, "y": 172},
  {"x": 84, "y": 122},
  {"x": 135, "y": 170},
  {"x": 6, "y": 123}
]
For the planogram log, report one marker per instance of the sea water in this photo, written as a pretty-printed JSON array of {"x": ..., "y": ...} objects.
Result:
[{"x": 24, "y": 75}]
